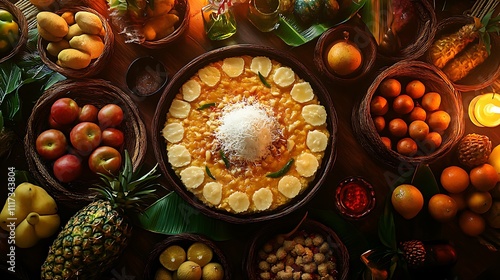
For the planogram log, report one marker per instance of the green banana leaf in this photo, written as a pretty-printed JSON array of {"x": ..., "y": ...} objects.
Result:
[{"x": 294, "y": 33}]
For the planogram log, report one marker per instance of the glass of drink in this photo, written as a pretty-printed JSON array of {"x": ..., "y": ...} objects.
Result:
[{"x": 264, "y": 14}]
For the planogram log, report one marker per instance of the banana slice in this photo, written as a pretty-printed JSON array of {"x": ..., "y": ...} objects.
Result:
[
  {"x": 261, "y": 64},
  {"x": 306, "y": 164},
  {"x": 192, "y": 177},
  {"x": 262, "y": 199},
  {"x": 191, "y": 90},
  {"x": 302, "y": 92},
  {"x": 212, "y": 192},
  {"x": 316, "y": 141},
  {"x": 178, "y": 155},
  {"x": 173, "y": 132},
  {"x": 289, "y": 186},
  {"x": 238, "y": 201},
  {"x": 314, "y": 114},
  {"x": 233, "y": 66},
  {"x": 209, "y": 75},
  {"x": 179, "y": 109},
  {"x": 284, "y": 76}
]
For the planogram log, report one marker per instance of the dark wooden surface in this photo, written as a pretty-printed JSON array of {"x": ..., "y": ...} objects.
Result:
[{"x": 475, "y": 260}]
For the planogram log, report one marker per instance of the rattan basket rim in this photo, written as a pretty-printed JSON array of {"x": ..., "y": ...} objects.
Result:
[{"x": 23, "y": 28}]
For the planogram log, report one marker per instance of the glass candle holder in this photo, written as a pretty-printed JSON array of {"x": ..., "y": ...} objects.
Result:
[
  {"x": 484, "y": 110},
  {"x": 354, "y": 197},
  {"x": 264, "y": 14},
  {"x": 218, "y": 20}
]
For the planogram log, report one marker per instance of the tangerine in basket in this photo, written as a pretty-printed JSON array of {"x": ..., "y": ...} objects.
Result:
[
  {"x": 390, "y": 88},
  {"x": 442, "y": 207},
  {"x": 431, "y": 101},
  {"x": 407, "y": 147},
  {"x": 387, "y": 142},
  {"x": 415, "y": 89},
  {"x": 454, "y": 179},
  {"x": 403, "y": 104},
  {"x": 407, "y": 200},
  {"x": 418, "y": 130},
  {"x": 439, "y": 121},
  {"x": 398, "y": 127},
  {"x": 479, "y": 202},
  {"x": 418, "y": 114},
  {"x": 379, "y": 122},
  {"x": 199, "y": 253},
  {"x": 471, "y": 223},
  {"x": 172, "y": 257},
  {"x": 379, "y": 106},
  {"x": 484, "y": 177},
  {"x": 432, "y": 141}
]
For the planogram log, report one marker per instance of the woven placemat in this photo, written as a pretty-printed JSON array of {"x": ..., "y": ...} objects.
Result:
[{"x": 29, "y": 11}]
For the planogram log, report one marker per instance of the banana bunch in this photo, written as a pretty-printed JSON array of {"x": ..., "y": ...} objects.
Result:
[{"x": 31, "y": 213}]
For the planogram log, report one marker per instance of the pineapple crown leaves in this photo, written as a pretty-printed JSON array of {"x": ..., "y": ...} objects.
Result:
[
  {"x": 488, "y": 24},
  {"x": 127, "y": 190}
]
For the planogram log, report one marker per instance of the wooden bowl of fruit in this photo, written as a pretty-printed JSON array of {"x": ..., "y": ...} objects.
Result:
[
  {"x": 77, "y": 129},
  {"x": 185, "y": 255},
  {"x": 19, "y": 37},
  {"x": 410, "y": 114}
]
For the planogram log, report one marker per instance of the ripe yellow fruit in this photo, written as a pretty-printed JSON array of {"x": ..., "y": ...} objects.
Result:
[
  {"x": 494, "y": 158},
  {"x": 172, "y": 257},
  {"x": 189, "y": 270},
  {"x": 479, "y": 202},
  {"x": 407, "y": 200},
  {"x": 442, "y": 207},
  {"x": 344, "y": 58},
  {"x": 454, "y": 179}
]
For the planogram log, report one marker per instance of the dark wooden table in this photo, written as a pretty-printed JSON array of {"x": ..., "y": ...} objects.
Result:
[{"x": 475, "y": 260}]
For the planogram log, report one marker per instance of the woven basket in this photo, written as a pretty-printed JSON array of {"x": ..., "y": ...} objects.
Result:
[
  {"x": 96, "y": 65},
  {"x": 434, "y": 80},
  {"x": 184, "y": 240},
  {"x": 182, "y": 7},
  {"x": 84, "y": 91},
  {"x": 484, "y": 74},
  {"x": 251, "y": 263},
  {"x": 424, "y": 34},
  {"x": 23, "y": 28}
]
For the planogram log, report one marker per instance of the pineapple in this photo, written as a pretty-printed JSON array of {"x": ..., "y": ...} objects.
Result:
[{"x": 97, "y": 234}]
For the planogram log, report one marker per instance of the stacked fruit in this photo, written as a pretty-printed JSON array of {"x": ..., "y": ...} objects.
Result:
[
  {"x": 93, "y": 134},
  {"x": 194, "y": 264},
  {"x": 410, "y": 121}
]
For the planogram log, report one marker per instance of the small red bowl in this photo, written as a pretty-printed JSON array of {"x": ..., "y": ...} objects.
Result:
[{"x": 354, "y": 197}]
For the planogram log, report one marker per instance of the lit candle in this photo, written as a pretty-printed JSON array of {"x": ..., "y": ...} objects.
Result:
[{"x": 484, "y": 110}]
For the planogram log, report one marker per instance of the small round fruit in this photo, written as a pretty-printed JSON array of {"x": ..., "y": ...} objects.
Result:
[
  {"x": 64, "y": 111},
  {"x": 387, "y": 142},
  {"x": 403, "y": 104},
  {"x": 484, "y": 177},
  {"x": 415, "y": 89},
  {"x": 106, "y": 160},
  {"x": 407, "y": 200},
  {"x": 442, "y": 207},
  {"x": 390, "y": 88},
  {"x": 212, "y": 271},
  {"x": 163, "y": 274},
  {"x": 418, "y": 114},
  {"x": 454, "y": 179},
  {"x": 407, "y": 147},
  {"x": 189, "y": 270},
  {"x": 438, "y": 121},
  {"x": 398, "y": 127},
  {"x": 111, "y": 115},
  {"x": 431, "y": 101},
  {"x": 344, "y": 58},
  {"x": 85, "y": 137},
  {"x": 112, "y": 137},
  {"x": 67, "y": 168},
  {"x": 432, "y": 141},
  {"x": 88, "y": 113},
  {"x": 379, "y": 123},
  {"x": 199, "y": 253},
  {"x": 479, "y": 202},
  {"x": 51, "y": 144},
  {"x": 471, "y": 223},
  {"x": 459, "y": 199},
  {"x": 379, "y": 106},
  {"x": 418, "y": 130},
  {"x": 172, "y": 257}
]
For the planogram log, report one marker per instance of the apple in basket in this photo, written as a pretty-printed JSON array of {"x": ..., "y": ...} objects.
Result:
[
  {"x": 51, "y": 144},
  {"x": 105, "y": 160}
]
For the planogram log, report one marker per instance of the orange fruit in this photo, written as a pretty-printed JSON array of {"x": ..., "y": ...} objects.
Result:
[
  {"x": 415, "y": 89},
  {"x": 379, "y": 106},
  {"x": 418, "y": 130},
  {"x": 398, "y": 127},
  {"x": 387, "y": 142},
  {"x": 479, "y": 202},
  {"x": 379, "y": 123},
  {"x": 431, "y": 101},
  {"x": 418, "y": 114},
  {"x": 442, "y": 207},
  {"x": 471, "y": 223},
  {"x": 407, "y": 200},
  {"x": 484, "y": 177},
  {"x": 438, "y": 120},
  {"x": 454, "y": 179},
  {"x": 403, "y": 104},
  {"x": 407, "y": 147},
  {"x": 432, "y": 141},
  {"x": 459, "y": 199},
  {"x": 390, "y": 88}
]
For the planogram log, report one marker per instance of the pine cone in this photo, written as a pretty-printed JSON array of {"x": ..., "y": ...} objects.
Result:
[
  {"x": 413, "y": 252},
  {"x": 474, "y": 150}
]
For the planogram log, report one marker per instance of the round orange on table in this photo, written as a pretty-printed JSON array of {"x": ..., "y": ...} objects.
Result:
[
  {"x": 454, "y": 179},
  {"x": 442, "y": 207},
  {"x": 484, "y": 177},
  {"x": 471, "y": 223},
  {"x": 407, "y": 200}
]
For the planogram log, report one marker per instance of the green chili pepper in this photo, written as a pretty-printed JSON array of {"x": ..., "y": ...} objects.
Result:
[
  {"x": 205, "y": 106},
  {"x": 282, "y": 171},
  {"x": 224, "y": 159},
  {"x": 209, "y": 173},
  {"x": 9, "y": 32},
  {"x": 263, "y": 80}
]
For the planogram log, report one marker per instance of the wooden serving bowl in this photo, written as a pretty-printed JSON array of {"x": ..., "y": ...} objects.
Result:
[
  {"x": 182, "y": 7},
  {"x": 184, "y": 240},
  {"x": 84, "y": 91},
  {"x": 484, "y": 74},
  {"x": 96, "y": 65},
  {"x": 23, "y": 28},
  {"x": 434, "y": 80},
  {"x": 160, "y": 117},
  {"x": 340, "y": 252}
]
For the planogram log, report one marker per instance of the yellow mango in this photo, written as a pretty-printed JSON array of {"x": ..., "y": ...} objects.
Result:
[
  {"x": 73, "y": 58},
  {"x": 74, "y": 30},
  {"x": 69, "y": 17},
  {"x": 163, "y": 25},
  {"x": 90, "y": 23},
  {"x": 91, "y": 44},
  {"x": 36, "y": 227},
  {"x": 52, "y": 23},
  {"x": 47, "y": 35},
  {"x": 149, "y": 32}
]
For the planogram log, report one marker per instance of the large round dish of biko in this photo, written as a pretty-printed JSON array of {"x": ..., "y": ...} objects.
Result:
[{"x": 246, "y": 134}]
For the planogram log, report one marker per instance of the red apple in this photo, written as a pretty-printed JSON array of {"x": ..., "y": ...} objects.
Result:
[
  {"x": 67, "y": 168},
  {"x": 105, "y": 160},
  {"x": 64, "y": 111},
  {"x": 85, "y": 137},
  {"x": 88, "y": 113},
  {"x": 111, "y": 115},
  {"x": 51, "y": 144},
  {"x": 112, "y": 137}
]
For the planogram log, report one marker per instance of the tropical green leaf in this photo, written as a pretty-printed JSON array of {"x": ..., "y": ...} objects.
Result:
[
  {"x": 387, "y": 227},
  {"x": 425, "y": 181},
  {"x": 172, "y": 215},
  {"x": 10, "y": 78}
]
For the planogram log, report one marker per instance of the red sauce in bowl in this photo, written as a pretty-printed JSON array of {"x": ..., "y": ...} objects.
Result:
[{"x": 355, "y": 197}]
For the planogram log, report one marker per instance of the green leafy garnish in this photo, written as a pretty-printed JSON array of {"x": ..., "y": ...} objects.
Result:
[
  {"x": 263, "y": 80},
  {"x": 282, "y": 171},
  {"x": 209, "y": 173},
  {"x": 205, "y": 106},
  {"x": 224, "y": 159}
]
